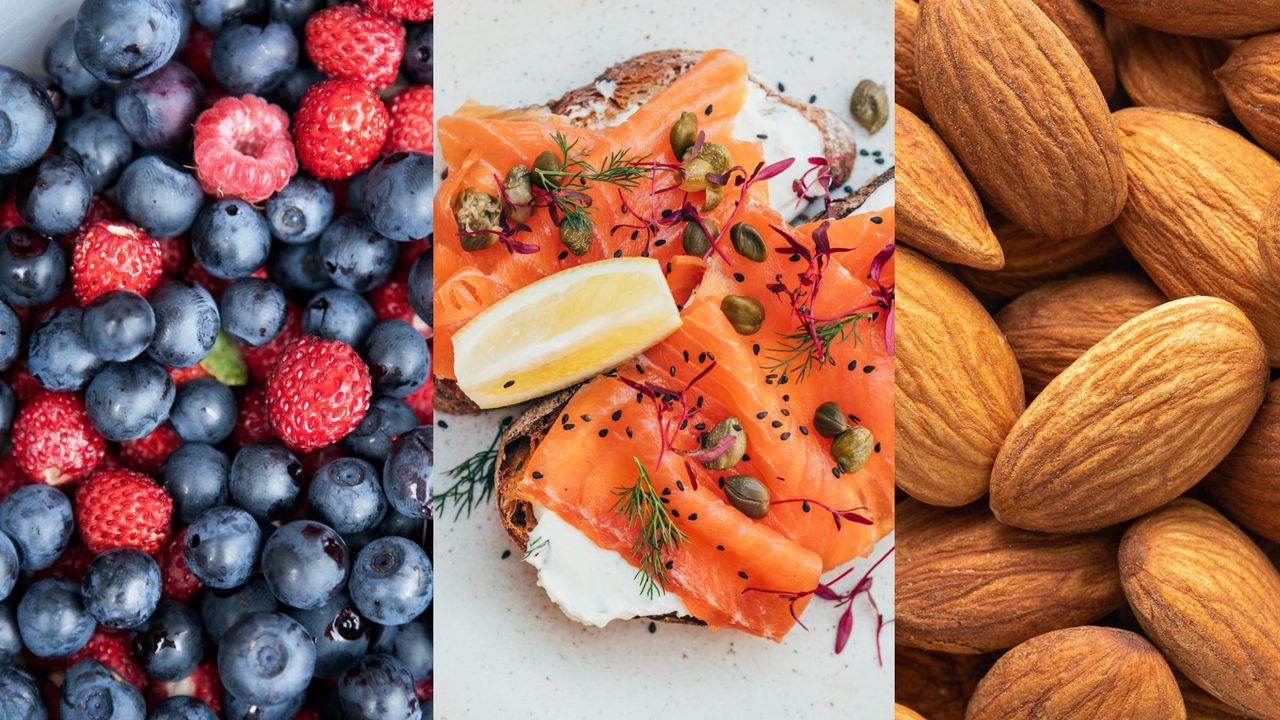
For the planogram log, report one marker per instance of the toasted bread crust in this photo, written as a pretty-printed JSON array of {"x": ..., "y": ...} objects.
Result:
[
  {"x": 450, "y": 398},
  {"x": 847, "y": 206}
]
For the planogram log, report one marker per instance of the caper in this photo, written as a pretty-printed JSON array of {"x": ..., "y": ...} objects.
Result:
[
  {"x": 748, "y": 495},
  {"x": 870, "y": 105},
  {"x": 577, "y": 232},
  {"x": 547, "y": 161},
  {"x": 684, "y": 134},
  {"x": 715, "y": 194},
  {"x": 829, "y": 420},
  {"x": 744, "y": 313},
  {"x": 717, "y": 155},
  {"x": 853, "y": 448},
  {"x": 728, "y": 427},
  {"x": 747, "y": 241},
  {"x": 475, "y": 212},
  {"x": 696, "y": 242},
  {"x": 518, "y": 185},
  {"x": 695, "y": 175}
]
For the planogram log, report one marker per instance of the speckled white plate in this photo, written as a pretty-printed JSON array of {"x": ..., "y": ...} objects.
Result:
[{"x": 503, "y": 650}]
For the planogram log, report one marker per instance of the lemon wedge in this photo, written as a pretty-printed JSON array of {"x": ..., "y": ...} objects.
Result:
[{"x": 563, "y": 329}]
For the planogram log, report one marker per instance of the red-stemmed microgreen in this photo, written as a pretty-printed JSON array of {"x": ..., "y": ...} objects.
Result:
[
  {"x": 674, "y": 412},
  {"x": 817, "y": 175},
  {"x": 850, "y": 514},
  {"x": 884, "y": 293}
]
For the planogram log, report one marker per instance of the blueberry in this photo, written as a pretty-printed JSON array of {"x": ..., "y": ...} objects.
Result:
[
  {"x": 397, "y": 195},
  {"x": 267, "y": 659},
  {"x": 118, "y": 325},
  {"x": 293, "y": 12},
  {"x": 93, "y": 691},
  {"x": 299, "y": 269},
  {"x": 39, "y": 521},
  {"x": 347, "y": 494},
  {"x": 408, "y": 474},
  {"x": 195, "y": 476},
  {"x": 204, "y": 411},
  {"x": 186, "y": 324},
  {"x": 412, "y": 646},
  {"x": 10, "y": 336},
  {"x": 182, "y": 707},
  {"x": 301, "y": 210},
  {"x": 386, "y": 419},
  {"x": 33, "y": 268},
  {"x": 52, "y": 618},
  {"x": 401, "y": 525},
  {"x": 253, "y": 310},
  {"x": 10, "y": 642},
  {"x": 10, "y": 566},
  {"x": 266, "y": 480},
  {"x": 159, "y": 196},
  {"x": 355, "y": 255},
  {"x": 158, "y": 110},
  {"x": 58, "y": 355},
  {"x": 418, "y": 62},
  {"x": 214, "y": 14},
  {"x": 422, "y": 287},
  {"x": 100, "y": 146},
  {"x": 126, "y": 401},
  {"x": 221, "y": 547},
  {"x": 237, "y": 709},
  {"x": 122, "y": 588},
  {"x": 171, "y": 643},
  {"x": 398, "y": 358},
  {"x": 392, "y": 581},
  {"x": 121, "y": 39},
  {"x": 355, "y": 191},
  {"x": 57, "y": 98},
  {"x": 53, "y": 199},
  {"x": 378, "y": 687},
  {"x": 340, "y": 633},
  {"x": 339, "y": 314},
  {"x": 253, "y": 59},
  {"x": 6, "y": 408},
  {"x": 305, "y": 563},
  {"x": 289, "y": 93},
  {"x": 230, "y": 239},
  {"x": 20, "y": 696},
  {"x": 221, "y": 610},
  {"x": 26, "y": 121},
  {"x": 99, "y": 101},
  {"x": 61, "y": 63}
]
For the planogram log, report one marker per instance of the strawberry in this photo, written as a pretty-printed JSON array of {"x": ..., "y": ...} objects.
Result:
[
  {"x": 54, "y": 441},
  {"x": 11, "y": 476},
  {"x": 72, "y": 564},
  {"x": 202, "y": 684},
  {"x": 411, "y": 112},
  {"x": 181, "y": 375},
  {"x": 148, "y": 453},
  {"x": 118, "y": 508},
  {"x": 177, "y": 579},
  {"x": 414, "y": 10},
  {"x": 100, "y": 208},
  {"x": 351, "y": 42},
  {"x": 242, "y": 149},
  {"x": 114, "y": 255},
  {"x": 254, "y": 424},
  {"x": 339, "y": 128},
  {"x": 261, "y": 359},
  {"x": 390, "y": 300},
  {"x": 23, "y": 385},
  {"x": 112, "y": 648},
  {"x": 175, "y": 255},
  {"x": 317, "y": 392}
]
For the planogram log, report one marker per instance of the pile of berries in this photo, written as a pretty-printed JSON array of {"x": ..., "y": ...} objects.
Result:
[{"x": 215, "y": 404}]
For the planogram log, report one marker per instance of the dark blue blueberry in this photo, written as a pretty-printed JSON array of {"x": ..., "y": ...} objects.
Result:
[
  {"x": 398, "y": 358},
  {"x": 293, "y": 12},
  {"x": 204, "y": 411},
  {"x": 355, "y": 191},
  {"x": 412, "y": 646},
  {"x": 418, "y": 63},
  {"x": 221, "y": 610},
  {"x": 33, "y": 268},
  {"x": 39, "y": 521},
  {"x": 158, "y": 110},
  {"x": 253, "y": 310},
  {"x": 53, "y": 198},
  {"x": 10, "y": 566},
  {"x": 339, "y": 314},
  {"x": 289, "y": 93},
  {"x": 122, "y": 588},
  {"x": 99, "y": 144},
  {"x": 182, "y": 707},
  {"x": 58, "y": 355},
  {"x": 186, "y": 324},
  {"x": 93, "y": 691},
  {"x": 341, "y": 634},
  {"x": 392, "y": 581},
  {"x": 299, "y": 269},
  {"x": 305, "y": 563},
  {"x": 301, "y": 210},
  {"x": 221, "y": 547},
  {"x": 386, "y": 419},
  {"x": 214, "y": 14},
  {"x": 126, "y": 401},
  {"x": 407, "y": 476},
  {"x": 253, "y": 59},
  {"x": 99, "y": 101},
  {"x": 118, "y": 325},
  {"x": 397, "y": 195},
  {"x": 230, "y": 239},
  {"x": 237, "y": 709},
  {"x": 171, "y": 643},
  {"x": 10, "y": 641},
  {"x": 401, "y": 525},
  {"x": 26, "y": 121},
  {"x": 266, "y": 480},
  {"x": 10, "y": 336},
  {"x": 20, "y": 696},
  {"x": 121, "y": 39},
  {"x": 347, "y": 494},
  {"x": 57, "y": 98},
  {"x": 6, "y": 408},
  {"x": 195, "y": 476},
  {"x": 267, "y": 659},
  {"x": 61, "y": 63},
  {"x": 52, "y": 618},
  {"x": 378, "y": 687},
  {"x": 159, "y": 196},
  {"x": 422, "y": 287},
  {"x": 355, "y": 255}
]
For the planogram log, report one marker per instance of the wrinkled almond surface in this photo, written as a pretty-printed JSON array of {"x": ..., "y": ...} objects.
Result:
[
  {"x": 1030, "y": 260},
  {"x": 906, "y": 86},
  {"x": 938, "y": 685},
  {"x": 1081, "y": 22},
  {"x": 1247, "y": 482},
  {"x": 1251, "y": 80},
  {"x": 1169, "y": 71},
  {"x": 1200, "y": 18}
]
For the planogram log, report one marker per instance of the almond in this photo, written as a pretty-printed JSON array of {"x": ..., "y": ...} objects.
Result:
[
  {"x": 967, "y": 583},
  {"x": 938, "y": 210},
  {"x": 906, "y": 86},
  {"x": 1169, "y": 71},
  {"x": 1082, "y": 24},
  {"x": 1197, "y": 192},
  {"x": 1081, "y": 673},
  {"x": 1269, "y": 238},
  {"x": 1018, "y": 106},
  {"x": 1247, "y": 483},
  {"x": 905, "y": 713},
  {"x": 938, "y": 685},
  {"x": 1203, "y": 706},
  {"x": 1051, "y": 326},
  {"x": 1206, "y": 595},
  {"x": 1135, "y": 421},
  {"x": 1251, "y": 81},
  {"x": 1200, "y": 18},
  {"x": 959, "y": 390},
  {"x": 1030, "y": 260}
]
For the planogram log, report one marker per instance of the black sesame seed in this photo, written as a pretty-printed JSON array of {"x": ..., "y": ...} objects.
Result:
[
  {"x": 804, "y": 431},
  {"x": 879, "y": 161},
  {"x": 635, "y": 234},
  {"x": 537, "y": 475},
  {"x": 693, "y": 516},
  {"x": 785, "y": 436},
  {"x": 786, "y": 412},
  {"x": 786, "y": 398},
  {"x": 868, "y": 368},
  {"x": 564, "y": 418},
  {"x": 762, "y": 136},
  {"x": 563, "y": 254},
  {"x": 863, "y": 153},
  {"x": 670, "y": 564},
  {"x": 629, "y": 433},
  {"x": 755, "y": 348},
  {"x": 742, "y": 575},
  {"x": 877, "y": 447},
  {"x": 782, "y": 88},
  {"x": 443, "y": 425},
  {"x": 700, "y": 427},
  {"x": 653, "y": 628},
  {"x": 617, "y": 253},
  {"x": 720, "y": 482},
  {"x": 720, "y": 548},
  {"x": 508, "y": 383},
  {"x": 876, "y": 153},
  {"x": 672, "y": 370},
  {"x": 739, "y": 277},
  {"x": 617, "y": 415},
  {"x": 666, "y": 491},
  {"x": 877, "y": 219},
  {"x": 776, "y": 423},
  {"x": 604, "y": 432},
  {"x": 659, "y": 243},
  {"x": 746, "y": 457},
  {"x": 675, "y": 513},
  {"x": 506, "y": 554},
  {"x": 680, "y": 485},
  {"x": 708, "y": 110},
  {"x": 686, "y": 355},
  {"x": 853, "y": 365},
  {"x": 805, "y": 506},
  {"x": 701, "y": 400},
  {"x": 762, "y": 414},
  {"x": 813, "y": 99},
  {"x": 702, "y": 357},
  {"x": 666, "y": 213}
]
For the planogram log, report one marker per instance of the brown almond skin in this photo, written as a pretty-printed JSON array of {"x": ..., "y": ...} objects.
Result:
[
  {"x": 938, "y": 211},
  {"x": 1082, "y": 24},
  {"x": 1031, "y": 260},
  {"x": 1169, "y": 71},
  {"x": 1206, "y": 595},
  {"x": 936, "y": 684},
  {"x": 906, "y": 86},
  {"x": 967, "y": 583},
  {"x": 1082, "y": 673},
  {"x": 1135, "y": 421},
  {"x": 959, "y": 389},
  {"x": 1197, "y": 192},
  {"x": 905, "y": 713},
  {"x": 1269, "y": 238},
  {"x": 1203, "y": 706},
  {"x": 1020, "y": 109},
  {"x": 1251, "y": 80},
  {"x": 1247, "y": 483},
  {"x": 1051, "y": 326},
  {"x": 1200, "y": 18}
]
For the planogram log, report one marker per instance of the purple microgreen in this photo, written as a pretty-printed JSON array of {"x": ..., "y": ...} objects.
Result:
[{"x": 850, "y": 514}]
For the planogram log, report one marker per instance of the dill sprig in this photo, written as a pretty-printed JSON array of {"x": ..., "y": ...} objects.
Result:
[
  {"x": 474, "y": 477},
  {"x": 801, "y": 353},
  {"x": 657, "y": 533},
  {"x": 577, "y": 173}
]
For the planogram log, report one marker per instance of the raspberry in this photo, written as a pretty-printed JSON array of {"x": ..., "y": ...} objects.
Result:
[
  {"x": 317, "y": 393},
  {"x": 340, "y": 128},
  {"x": 411, "y": 114},
  {"x": 351, "y": 42},
  {"x": 175, "y": 255},
  {"x": 112, "y": 648},
  {"x": 176, "y": 577},
  {"x": 203, "y": 684},
  {"x": 254, "y": 424},
  {"x": 115, "y": 256},
  {"x": 414, "y": 10},
  {"x": 390, "y": 300},
  {"x": 24, "y": 386},
  {"x": 242, "y": 149},
  {"x": 72, "y": 564},
  {"x": 118, "y": 508},
  {"x": 11, "y": 476},
  {"x": 197, "y": 54},
  {"x": 148, "y": 453},
  {"x": 54, "y": 441}
]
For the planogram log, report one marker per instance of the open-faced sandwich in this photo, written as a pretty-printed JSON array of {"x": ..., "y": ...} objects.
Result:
[{"x": 715, "y": 428}]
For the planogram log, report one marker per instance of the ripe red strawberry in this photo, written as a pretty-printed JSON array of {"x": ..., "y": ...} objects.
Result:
[
  {"x": 100, "y": 209},
  {"x": 340, "y": 127},
  {"x": 203, "y": 684},
  {"x": 148, "y": 453},
  {"x": 390, "y": 300},
  {"x": 11, "y": 476},
  {"x": 242, "y": 149},
  {"x": 72, "y": 564},
  {"x": 352, "y": 42},
  {"x": 415, "y": 10},
  {"x": 317, "y": 393},
  {"x": 53, "y": 440},
  {"x": 181, "y": 375},
  {"x": 118, "y": 508},
  {"x": 411, "y": 114},
  {"x": 254, "y": 423},
  {"x": 175, "y": 254},
  {"x": 24, "y": 386},
  {"x": 176, "y": 577},
  {"x": 115, "y": 255},
  {"x": 112, "y": 648},
  {"x": 261, "y": 359}
]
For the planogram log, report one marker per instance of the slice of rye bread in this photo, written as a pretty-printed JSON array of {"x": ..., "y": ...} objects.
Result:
[{"x": 630, "y": 84}]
